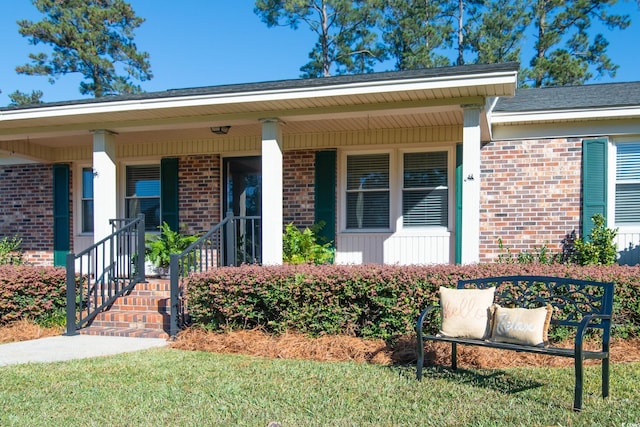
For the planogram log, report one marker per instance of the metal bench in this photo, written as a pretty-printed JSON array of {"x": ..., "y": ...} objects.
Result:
[{"x": 577, "y": 304}]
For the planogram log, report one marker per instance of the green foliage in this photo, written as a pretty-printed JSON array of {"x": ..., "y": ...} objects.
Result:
[
  {"x": 346, "y": 41},
  {"x": 599, "y": 248},
  {"x": 565, "y": 53},
  {"x": 303, "y": 246},
  {"x": 91, "y": 37},
  {"x": 160, "y": 247},
  {"x": 10, "y": 250},
  {"x": 541, "y": 255},
  {"x": 20, "y": 98},
  {"x": 370, "y": 301},
  {"x": 34, "y": 293},
  {"x": 353, "y": 36},
  {"x": 414, "y": 32}
]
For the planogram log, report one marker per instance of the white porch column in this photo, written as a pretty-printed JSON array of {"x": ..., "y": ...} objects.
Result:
[
  {"x": 104, "y": 183},
  {"x": 470, "y": 252},
  {"x": 272, "y": 218}
]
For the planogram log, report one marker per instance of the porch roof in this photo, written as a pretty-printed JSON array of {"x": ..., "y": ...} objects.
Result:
[{"x": 387, "y": 100}]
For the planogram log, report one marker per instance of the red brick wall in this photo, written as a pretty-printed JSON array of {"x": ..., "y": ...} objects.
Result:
[
  {"x": 200, "y": 194},
  {"x": 26, "y": 209},
  {"x": 298, "y": 187},
  {"x": 530, "y": 194}
]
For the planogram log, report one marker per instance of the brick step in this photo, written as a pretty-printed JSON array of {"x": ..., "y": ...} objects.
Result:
[
  {"x": 154, "y": 285},
  {"x": 146, "y": 303},
  {"x": 131, "y": 319},
  {"x": 124, "y": 332}
]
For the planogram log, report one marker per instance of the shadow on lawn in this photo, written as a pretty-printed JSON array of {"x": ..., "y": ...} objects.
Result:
[{"x": 496, "y": 380}]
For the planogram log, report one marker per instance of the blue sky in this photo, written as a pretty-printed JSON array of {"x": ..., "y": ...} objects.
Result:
[{"x": 213, "y": 42}]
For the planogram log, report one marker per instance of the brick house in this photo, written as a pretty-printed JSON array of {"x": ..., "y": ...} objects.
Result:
[{"x": 411, "y": 167}]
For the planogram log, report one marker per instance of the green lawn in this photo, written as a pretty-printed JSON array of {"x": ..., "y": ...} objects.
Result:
[{"x": 181, "y": 388}]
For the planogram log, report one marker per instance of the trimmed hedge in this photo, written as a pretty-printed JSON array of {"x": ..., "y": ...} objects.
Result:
[
  {"x": 33, "y": 293},
  {"x": 370, "y": 301}
]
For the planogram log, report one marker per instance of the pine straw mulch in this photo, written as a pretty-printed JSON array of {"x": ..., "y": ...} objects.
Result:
[
  {"x": 342, "y": 348},
  {"x": 24, "y": 330},
  {"x": 345, "y": 348}
]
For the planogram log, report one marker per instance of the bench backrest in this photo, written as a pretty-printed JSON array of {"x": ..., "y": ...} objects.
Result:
[{"x": 571, "y": 299}]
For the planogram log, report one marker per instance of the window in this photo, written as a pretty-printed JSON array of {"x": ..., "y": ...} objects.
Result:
[
  {"x": 87, "y": 200},
  {"x": 425, "y": 190},
  {"x": 367, "y": 197},
  {"x": 627, "y": 206},
  {"x": 143, "y": 194}
]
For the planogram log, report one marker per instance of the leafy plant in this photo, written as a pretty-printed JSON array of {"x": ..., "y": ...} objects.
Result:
[
  {"x": 10, "y": 250},
  {"x": 304, "y": 246},
  {"x": 160, "y": 247},
  {"x": 599, "y": 248},
  {"x": 541, "y": 255}
]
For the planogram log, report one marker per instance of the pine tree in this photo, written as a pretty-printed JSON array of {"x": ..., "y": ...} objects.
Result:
[
  {"x": 91, "y": 37},
  {"x": 20, "y": 98},
  {"x": 415, "y": 31},
  {"x": 497, "y": 34},
  {"x": 346, "y": 42},
  {"x": 566, "y": 54}
]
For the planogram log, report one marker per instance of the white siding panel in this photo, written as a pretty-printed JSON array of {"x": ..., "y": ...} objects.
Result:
[
  {"x": 410, "y": 249},
  {"x": 380, "y": 248},
  {"x": 355, "y": 248},
  {"x": 628, "y": 247}
]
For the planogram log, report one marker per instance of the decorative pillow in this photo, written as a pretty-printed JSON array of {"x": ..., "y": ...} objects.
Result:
[
  {"x": 521, "y": 325},
  {"x": 466, "y": 312}
]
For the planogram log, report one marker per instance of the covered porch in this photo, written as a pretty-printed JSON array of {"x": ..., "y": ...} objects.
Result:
[{"x": 389, "y": 161}]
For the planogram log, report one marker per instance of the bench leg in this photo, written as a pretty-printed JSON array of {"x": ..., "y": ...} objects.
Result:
[
  {"x": 605, "y": 377},
  {"x": 577, "y": 396},
  {"x": 454, "y": 355},
  {"x": 420, "y": 361}
]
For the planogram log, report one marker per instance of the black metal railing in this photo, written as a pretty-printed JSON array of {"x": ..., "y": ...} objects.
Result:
[
  {"x": 232, "y": 242},
  {"x": 103, "y": 272}
]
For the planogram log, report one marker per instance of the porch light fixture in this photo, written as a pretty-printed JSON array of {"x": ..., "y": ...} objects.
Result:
[{"x": 220, "y": 130}]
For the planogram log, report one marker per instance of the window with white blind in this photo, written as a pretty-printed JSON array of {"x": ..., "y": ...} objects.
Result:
[
  {"x": 425, "y": 190},
  {"x": 627, "y": 206},
  {"x": 367, "y": 191},
  {"x": 87, "y": 200},
  {"x": 143, "y": 194}
]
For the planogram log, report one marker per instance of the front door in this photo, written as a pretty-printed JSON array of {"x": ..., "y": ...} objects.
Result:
[{"x": 243, "y": 198}]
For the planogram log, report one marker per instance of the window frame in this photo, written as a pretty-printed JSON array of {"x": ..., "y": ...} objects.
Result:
[
  {"x": 343, "y": 192},
  {"x": 612, "y": 183},
  {"x": 77, "y": 190},
  {"x": 123, "y": 199},
  {"x": 396, "y": 173},
  {"x": 450, "y": 153}
]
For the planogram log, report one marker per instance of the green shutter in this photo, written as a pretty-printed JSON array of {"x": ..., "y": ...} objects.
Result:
[
  {"x": 458, "y": 218},
  {"x": 325, "y": 193},
  {"x": 594, "y": 181},
  {"x": 169, "y": 192},
  {"x": 61, "y": 231}
]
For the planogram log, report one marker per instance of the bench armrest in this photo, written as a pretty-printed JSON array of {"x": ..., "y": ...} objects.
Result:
[{"x": 585, "y": 324}]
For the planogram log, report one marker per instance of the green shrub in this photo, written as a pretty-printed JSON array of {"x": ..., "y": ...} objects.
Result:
[
  {"x": 304, "y": 246},
  {"x": 371, "y": 301},
  {"x": 11, "y": 251},
  {"x": 599, "y": 248}
]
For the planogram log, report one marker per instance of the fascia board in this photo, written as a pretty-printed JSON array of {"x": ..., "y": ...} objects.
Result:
[
  {"x": 563, "y": 115},
  {"x": 363, "y": 88}
]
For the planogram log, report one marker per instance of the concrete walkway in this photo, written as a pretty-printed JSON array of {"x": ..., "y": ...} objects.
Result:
[{"x": 60, "y": 348}]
